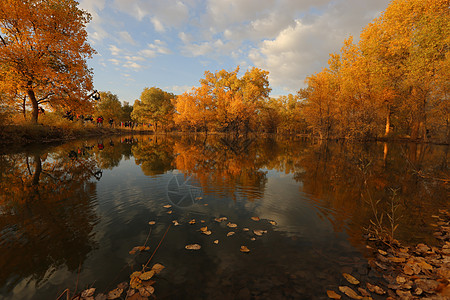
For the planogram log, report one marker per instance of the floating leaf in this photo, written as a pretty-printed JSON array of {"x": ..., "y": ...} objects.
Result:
[
  {"x": 204, "y": 228},
  {"x": 221, "y": 219},
  {"x": 202, "y": 221},
  {"x": 146, "y": 291},
  {"x": 273, "y": 223},
  {"x": 114, "y": 294},
  {"x": 207, "y": 232},
  {"x": 230, "y": 233},
  {"x": 147, "y": 275},
  {"x": 135, "y": 274},
  {"x": 152, "y": 223},
  {"x": 193, "y": 247},
  {"x": 169, "y": 212},
  {"x": 375, "y": 289},
  {"x": 175, "y": 223},
  {"x": 349, "y": 292},
  {"x": 157, "y": 268},
  {"x": 88, "y": 293},
  {"x": 135, "y": 282},
  {"x": 244, "y": 249},
  {"x": 199, "y": 198},
  {"x": 333, "y": 295},
  {"x": 245, "y": 229},
  {"x": 139, "y": 249},
  {"x": 255, "y": 218},
  {"x": 259, "y": 232},
  {"x": 253, "y": 239},
  {"x": 206, "y": 204},
  {"x": 382, "y": 252},
  {"x": 231, "y": 225},
  {"x": 216, "y": 242},
  {"x": 192, "y": 222},
  {"x": 167, "y": 206},
  {"x": 350, "y": 278}
]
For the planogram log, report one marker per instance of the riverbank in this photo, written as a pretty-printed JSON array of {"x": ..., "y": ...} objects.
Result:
[{"x": 28, "y": 134}]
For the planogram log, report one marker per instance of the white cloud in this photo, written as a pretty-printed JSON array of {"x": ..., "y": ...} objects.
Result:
[
  {"x": 126, "y": 37},
  {"x": 114, "y": 61},
  {"x": 159, "y": 27},
  {"x": 115, "y": 50},
  {"x": 132, "y": 65},
  {"x": 178, "y": 89}
]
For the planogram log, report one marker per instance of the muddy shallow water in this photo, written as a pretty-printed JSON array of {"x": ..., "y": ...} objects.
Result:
[{"x": 71, "y": 213}]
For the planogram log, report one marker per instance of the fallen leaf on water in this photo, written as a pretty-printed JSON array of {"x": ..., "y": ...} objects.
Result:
[
  {"x": 253, "y": 239},
  {"x": 216, "y": 242},
  {"x": 382, "y": 252},
  {"x": 207, "y": 232},
  {"x": 199, "y": 198},
  {"x": 88, "y": 293},
  {"x": 204, "y": 228},
  {"x": 146, "y": 291},
  {"x": 259, "y": 232},
  {"x": 375, "y": 289},
  {"x": 333, "y": 295},
  {"x": 193, "y": 247},
  {"x": 349, "y": 292},
  {"x": 350, "y": 278},
  {"x": 169, "y": 212},
  {"x": 244, "y": 249},
  {"x": 157, "y": 268},
  {"x": 202, "y": 221},
  {"x": 255, "y": 218},
  {"x": 139, "y": 249},
  {"x": 152, "y": 223},
  {"x": 273, "y": 223},
  {"x": 245, "y": 229},
  {"x": 147, "y": 275},
  {"x": 175, "y": 223},
  {"x": 114, "y": 294},
  {"x": 135, "y": 274},
  {"x": 167, "y": 206},
  {"x": 221, "y": 219},
  {"x": 230, "y": 233},
  {"x": 231, "y": 225},
  {"x": 206, "y": 204},
  {"x": 192, "y": 222}
]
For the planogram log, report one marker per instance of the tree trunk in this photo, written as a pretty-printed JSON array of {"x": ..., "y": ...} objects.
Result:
[
  {"x": 34, "y": 103},
  {"x": 37, "y": 170},
  {"x": 388, "y": 122}
]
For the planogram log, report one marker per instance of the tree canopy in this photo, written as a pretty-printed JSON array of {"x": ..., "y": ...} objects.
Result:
[{"x": 43, "y": 52}]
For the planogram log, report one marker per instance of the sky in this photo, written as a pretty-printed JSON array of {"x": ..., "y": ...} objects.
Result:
[{"x": 170, "y": 44}]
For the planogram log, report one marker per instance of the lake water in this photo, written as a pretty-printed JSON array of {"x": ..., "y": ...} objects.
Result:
[{"x": 70, "y": 214}]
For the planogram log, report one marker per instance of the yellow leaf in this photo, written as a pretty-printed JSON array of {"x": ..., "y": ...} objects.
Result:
[
  {"x": 255, "y": 218},
  {"x": 230, "y": 233},
  {"x": 231, "y": 225},
  {"x": 152, "y": 223},
  {"x": 114, "y": 294},
  {"x": 244, "y": 249},
  {"x": 204, "y": 228},
  {"x": 192, "y": 222},
  {"x": 349, "y": 292},
  {"x": 193, "y": 247},
  {"x": 167, "y": 206},
  {"x": 273, "y": 223},
  {"x": 333, "y": 295},
  {"x": 350, "y": 278},
  {"x": 147, "y": 275},
  {"x": 157, "y": 268}
]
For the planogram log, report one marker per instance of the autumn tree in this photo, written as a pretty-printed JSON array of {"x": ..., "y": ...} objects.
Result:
[
  {"x": 155, "y": 106},
  {"x": 109, "y": 106},
  {"x": 43, "y": 52},
  {"x": 224, "y": 101}
]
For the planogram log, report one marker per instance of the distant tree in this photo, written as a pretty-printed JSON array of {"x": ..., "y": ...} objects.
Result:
[
  {"x": 126, "y": 111},
  {"x": 109, "y": 106},
  {"x": 43, "y": 52},
  {"x": 155, "y": 106}
]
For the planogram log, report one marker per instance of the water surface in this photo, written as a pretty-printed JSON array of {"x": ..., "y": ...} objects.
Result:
[{"x": 71, "y": 213}]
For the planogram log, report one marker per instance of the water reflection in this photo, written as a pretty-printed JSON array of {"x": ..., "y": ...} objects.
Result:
[
  {"x": 86, "y": 204},
  {"x": 47, "y": 214}
]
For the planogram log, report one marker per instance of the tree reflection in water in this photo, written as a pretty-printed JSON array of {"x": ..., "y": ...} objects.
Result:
[{"x": 46, "y": 212}]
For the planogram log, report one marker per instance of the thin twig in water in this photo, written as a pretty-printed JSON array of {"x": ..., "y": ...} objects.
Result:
[
  {"x": 167, "y": 230},
  {"x": 64, "y": 292}
]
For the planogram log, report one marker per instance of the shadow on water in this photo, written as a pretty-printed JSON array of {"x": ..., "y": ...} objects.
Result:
[{"x": 76, "y": 210}]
